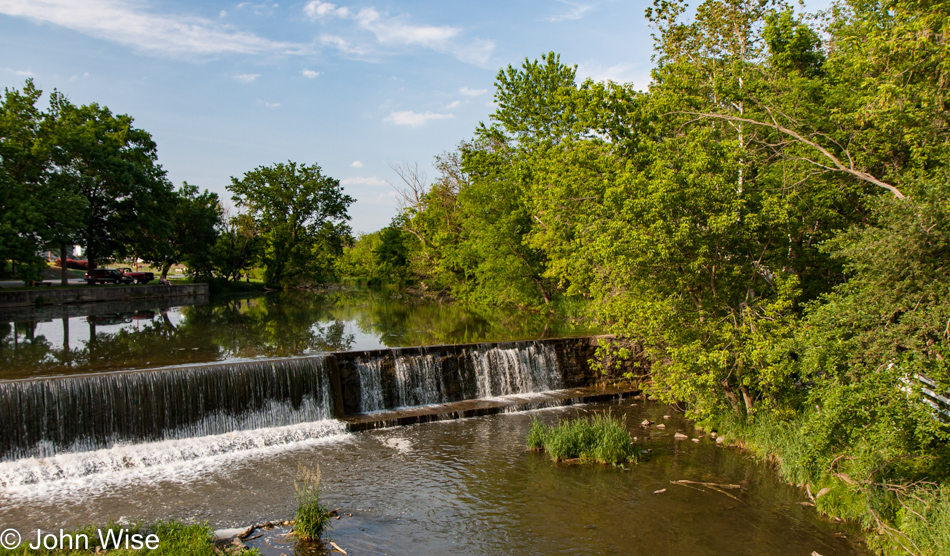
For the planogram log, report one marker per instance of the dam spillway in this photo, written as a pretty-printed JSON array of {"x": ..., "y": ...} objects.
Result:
[{"x": 51, "y": 416}]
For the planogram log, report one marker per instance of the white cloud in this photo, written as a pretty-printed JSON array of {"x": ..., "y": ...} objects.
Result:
[
  {"x": 343, "y": 45},
  {"x": 356, "y": 164},
  {"x": 247, "y": 77},
  {"x": 396, "y": 30},
  {"x": 575, "y": 11},
  {"x": 128, "y": 22},
  {"x": 223, "y": 13},
  {"x": 269, "y": 104},
  {"x": 310, "y": 73},
  {"x": 76, "y": 77},
  {"x": 453, "y": 104},
  {"x": 372, "y": 180},
  {"x": 472, "y": 92},
  {"x": 317, "y": 9},
  {"x": 21, "y": 73},
  {"x": 414, "y": 119}
]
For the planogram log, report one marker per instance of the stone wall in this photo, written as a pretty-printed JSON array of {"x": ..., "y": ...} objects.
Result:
[{"x": 93, "y": 294}]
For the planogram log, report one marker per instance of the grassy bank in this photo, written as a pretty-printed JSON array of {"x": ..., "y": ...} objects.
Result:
[
  {"x": 163, "y": 538},
  {"x": 901, "y": 500}
]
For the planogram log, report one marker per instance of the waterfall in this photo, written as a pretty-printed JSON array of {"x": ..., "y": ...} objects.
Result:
[
  {"x": 411, "y": 377},
  {"x": 370, "y": 370},
  {"x": 508, "y": 369},
  {"x": 42, "y": 418}
]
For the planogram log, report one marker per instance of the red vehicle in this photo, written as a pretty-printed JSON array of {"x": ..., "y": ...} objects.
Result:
[
  {"x": 139, "y": 277},
  {"x": 107, "y": 276}
]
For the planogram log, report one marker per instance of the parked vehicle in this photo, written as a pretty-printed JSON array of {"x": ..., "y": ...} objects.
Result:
[
  {"x": 107, "y": 276},
  {"x": 139, "y": 277}
]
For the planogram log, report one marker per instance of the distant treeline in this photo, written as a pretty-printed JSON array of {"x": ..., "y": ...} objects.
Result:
[
  {"x": 769, "y": 221},
  {"x": 80, "y": 175}
]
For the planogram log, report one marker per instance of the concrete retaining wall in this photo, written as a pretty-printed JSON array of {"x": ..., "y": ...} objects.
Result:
[{"x": 93, "y": 294}]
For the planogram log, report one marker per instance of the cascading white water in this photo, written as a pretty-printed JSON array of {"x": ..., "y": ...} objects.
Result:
[
  {"x": 370, "y": 374},
  {"x": 76, "y": 414},
  {"x": 400, "y": 380},
  {"x": 503, "y": 371},
  {"x": 419, "y": 381}
]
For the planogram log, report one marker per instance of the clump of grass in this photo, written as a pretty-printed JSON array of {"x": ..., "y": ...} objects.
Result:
[
  {"x": 312, "y": 517},
  {"x": 601, "y": 438}
]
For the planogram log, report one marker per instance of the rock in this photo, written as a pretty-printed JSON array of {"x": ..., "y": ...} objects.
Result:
[
  {"x": 661, "y": 426},
  {"x": 666, "y": 416},
  {"x": 646, "y": 423},
  {"x": 225, "y": 534},
  {"x": 720, "y": 440},
  {"x": 239, "y": 544},
  {"x": 696, "y": 440},
  {"x": 680, "y": 436},
  {"x": 349, "y": 515},
  {"x": 713, "y": 434}
]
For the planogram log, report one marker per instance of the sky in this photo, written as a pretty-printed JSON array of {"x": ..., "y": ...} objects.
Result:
[{"x": 355, "y": 87}]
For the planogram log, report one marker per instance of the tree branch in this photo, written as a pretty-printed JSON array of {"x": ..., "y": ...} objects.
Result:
[{"x": 863, "y": 176}]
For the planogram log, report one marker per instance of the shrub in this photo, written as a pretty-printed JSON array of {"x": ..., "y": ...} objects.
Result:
[{"x": 312, "y": 517}]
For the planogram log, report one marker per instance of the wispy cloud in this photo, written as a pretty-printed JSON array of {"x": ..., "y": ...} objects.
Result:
[
  {"x": 77, "y": 77},
  {"x": 453, "y": 104},
  {"x": 371, "y": 180},
  {"x": 268, "y": 104},
  {"x": 574, "y": 11},
  {"x": 21, "y": 73},
  {"x": 247, "y": 77},
  {"x": 317, "y": 10},
  {"x": 389, "y": 30},
  {"x": 472, "y": 92},
  {"x": 356, "y": 164},
  {"x": 415, "y": 119},
  {"x": 310, "y": 74},
  {"x": 127, "y": 22}
]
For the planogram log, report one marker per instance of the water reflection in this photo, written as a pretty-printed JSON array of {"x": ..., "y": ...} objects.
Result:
[{"x": 114, "y": 336}]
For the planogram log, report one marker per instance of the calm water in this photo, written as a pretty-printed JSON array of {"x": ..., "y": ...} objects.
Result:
[
  {"x": 467, "y": 487},
  {"x": 113, "y": 336}
]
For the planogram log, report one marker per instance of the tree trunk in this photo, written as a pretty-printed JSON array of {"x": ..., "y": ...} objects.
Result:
[{"x": 63, "y": 274}]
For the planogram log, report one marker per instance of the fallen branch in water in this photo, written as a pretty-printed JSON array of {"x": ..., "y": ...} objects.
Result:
[{"x": 714, "y": 486}]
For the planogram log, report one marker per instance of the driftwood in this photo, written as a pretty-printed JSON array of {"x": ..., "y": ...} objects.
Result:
[
  {"x": 337, "y": 547},
  {"x": 714, "y": 486}
]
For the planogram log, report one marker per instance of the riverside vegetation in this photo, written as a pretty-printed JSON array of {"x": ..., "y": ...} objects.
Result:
[
  {"x": 601, "y": 439},
  {"x": 766, "y": 227},
  {"x": 175, "y": 539}
]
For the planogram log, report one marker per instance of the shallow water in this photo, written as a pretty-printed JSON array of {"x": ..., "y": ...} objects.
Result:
[
  {"x": 73, "y": 339},
  {"x": 459, "y": 487}
]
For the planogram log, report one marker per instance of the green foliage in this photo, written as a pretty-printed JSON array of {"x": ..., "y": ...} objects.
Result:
[
  {"x": 601, "y": 439},
  {"x": 301, "y": 217},
  {"x": 769, "y": 221},
  {"x": 312, "y": 517},
  {"x": 175, "y": 539}
]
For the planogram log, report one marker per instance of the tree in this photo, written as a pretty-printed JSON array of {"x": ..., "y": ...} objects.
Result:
[
  {"x": 36, "y": 209},
  {"x": 193, "y": 233},
  {"x": 302, "y": 216},
  {"x": 102, "y": 158},
  {"x": 238, "y": 246}
]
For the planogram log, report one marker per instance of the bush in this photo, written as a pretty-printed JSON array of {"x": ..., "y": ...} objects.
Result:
[
  {"x": 602, "y": 438},
  {"x": 312, "y": 517}
]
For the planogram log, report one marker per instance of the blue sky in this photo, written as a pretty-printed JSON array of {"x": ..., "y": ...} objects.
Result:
[{"x": 224, "y": 87}]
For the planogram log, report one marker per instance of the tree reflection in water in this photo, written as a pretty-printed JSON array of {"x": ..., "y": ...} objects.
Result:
[{"x": 93, "y": 338}]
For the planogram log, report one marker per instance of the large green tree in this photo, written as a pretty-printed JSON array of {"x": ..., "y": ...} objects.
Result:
[{"x": 302, "y": 216}]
